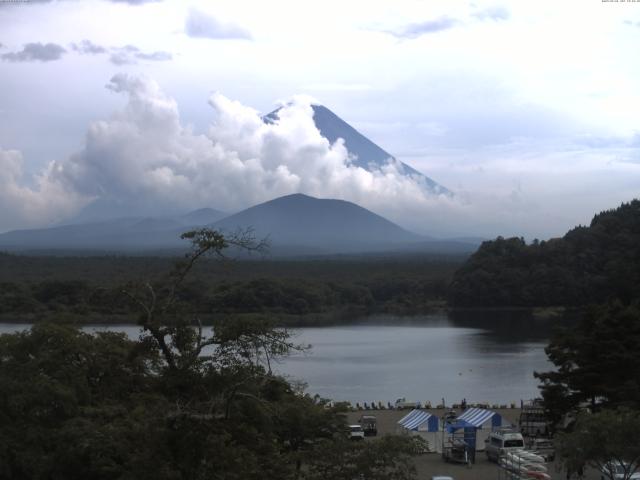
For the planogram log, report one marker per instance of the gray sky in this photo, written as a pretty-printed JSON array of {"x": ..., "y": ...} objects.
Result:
[{"x": 528, "y": 111}]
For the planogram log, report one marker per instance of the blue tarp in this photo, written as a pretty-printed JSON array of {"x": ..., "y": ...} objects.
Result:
[
  {"x": 458, "y": 425},
  {"x": 419, "y": 420}
]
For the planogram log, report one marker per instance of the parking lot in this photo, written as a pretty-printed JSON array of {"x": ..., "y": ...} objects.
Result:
[{"x": 432, "y": 464}]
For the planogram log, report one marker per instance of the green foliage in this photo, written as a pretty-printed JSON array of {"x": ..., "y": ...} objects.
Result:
[
  {"x": 90, "y": 289},
  {"x": 595, "y": 362},
  {"x": 588, "y": 265},
  {"x": 384, "y": 459},
  {"x": 175, "y": 404},
  {"x": 74, "y": 405},
  {"x": 58, "y": 384},
  {"x": 604, "y": 439}
]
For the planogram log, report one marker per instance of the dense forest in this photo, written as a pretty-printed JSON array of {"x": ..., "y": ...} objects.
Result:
[
  {"x": 90, "y": 289},
  {"x": 588, "y": 265}
]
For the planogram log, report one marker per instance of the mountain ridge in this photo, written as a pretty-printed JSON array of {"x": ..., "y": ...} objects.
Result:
[{"x": 296, "y": 224}]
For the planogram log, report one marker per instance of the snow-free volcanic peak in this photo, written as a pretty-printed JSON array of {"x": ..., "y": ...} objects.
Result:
[{"x": 365, "y": 153}]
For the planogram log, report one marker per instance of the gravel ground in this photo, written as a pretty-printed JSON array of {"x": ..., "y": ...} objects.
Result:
[{"x": 431, "y": 464}]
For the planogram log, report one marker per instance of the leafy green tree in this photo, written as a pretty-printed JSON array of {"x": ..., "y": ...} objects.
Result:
[
  {"x": 588, "y": 265},
  {"x": 176, "y": 404},
  {"x": 607, "y": 440},
  {"x": 67, "y": 394},
  {"x": 594, "y": 362},
  {"x": 387, "y": 458}
]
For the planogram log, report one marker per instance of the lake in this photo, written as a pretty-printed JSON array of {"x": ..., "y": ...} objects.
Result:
[{"x": 481, "y": 356}]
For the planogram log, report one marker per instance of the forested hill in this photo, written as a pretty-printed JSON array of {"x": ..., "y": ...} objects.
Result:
[{"x": 587, "y": 265}]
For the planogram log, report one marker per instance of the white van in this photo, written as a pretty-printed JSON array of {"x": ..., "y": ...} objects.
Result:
[
  {"x": 502, "y": 441},
  {"x": 356, "y": 432}
]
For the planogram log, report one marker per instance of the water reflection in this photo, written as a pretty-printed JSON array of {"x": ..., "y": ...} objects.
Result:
[
  {"x": 484, "y": 358},
  {"x": 480, "y": 356}
]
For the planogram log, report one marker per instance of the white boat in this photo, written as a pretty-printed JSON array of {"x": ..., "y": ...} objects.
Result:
[
  {"x": 530, "y": 456},
  {"x": 518, "y": 463}
]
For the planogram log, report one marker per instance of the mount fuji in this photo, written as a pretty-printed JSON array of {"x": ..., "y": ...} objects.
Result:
[{"x": 364, "y": 152}]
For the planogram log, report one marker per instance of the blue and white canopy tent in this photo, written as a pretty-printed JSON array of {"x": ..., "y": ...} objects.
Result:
[
  {"x": 419, "y": 420},
  {"x": 424, "y": 424},
  {"x": 479, "y": 418},
  {"x": 477, "y": 424}
]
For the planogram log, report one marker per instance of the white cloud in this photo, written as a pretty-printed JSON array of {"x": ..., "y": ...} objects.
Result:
[
  {"x": 145, "y": 160},
  {"x": 42, "y": 204},
  {"x": 36, "y": 52},
  {"x": 130, "y": 54},
  {"x": 200, "y": 24}
]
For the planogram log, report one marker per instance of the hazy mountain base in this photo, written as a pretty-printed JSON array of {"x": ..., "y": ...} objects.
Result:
[{"x": 295, "y": 225}]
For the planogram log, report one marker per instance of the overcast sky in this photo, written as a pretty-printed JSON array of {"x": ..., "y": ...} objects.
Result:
[{"x": 528, "y": 110}]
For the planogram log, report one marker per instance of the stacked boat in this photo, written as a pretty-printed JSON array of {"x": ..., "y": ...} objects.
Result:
[{"x": 524, "y": 465}]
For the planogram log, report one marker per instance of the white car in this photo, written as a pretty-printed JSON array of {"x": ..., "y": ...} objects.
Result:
[
  {"x": 356, "y": 432},
  {"x": 614, "y": 470}
]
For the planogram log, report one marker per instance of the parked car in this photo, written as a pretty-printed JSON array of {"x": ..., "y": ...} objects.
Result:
[
  {"x": 356, "y": 432},
  {"x": 502, "y": 441},
  {"x": 615, "y": 470},
  {"x": 369, "y": 425}
]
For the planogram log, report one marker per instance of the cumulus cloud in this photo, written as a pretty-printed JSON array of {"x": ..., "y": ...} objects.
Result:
[
  {"x": 22, "y": 205},
  {"x": 145, "y": 152},
  {"x": 202, "y": 25},
  {"x": 124, "y": 55},
  {"x": 143, "y": 156},
  {"x": 32, "y": 52}
]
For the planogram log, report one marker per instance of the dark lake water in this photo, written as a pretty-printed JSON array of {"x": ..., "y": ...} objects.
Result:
[{"x": 483, "y": 357}]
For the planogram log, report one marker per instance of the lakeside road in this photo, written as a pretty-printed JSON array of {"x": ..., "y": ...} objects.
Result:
[{"x": 432, "y": 464}]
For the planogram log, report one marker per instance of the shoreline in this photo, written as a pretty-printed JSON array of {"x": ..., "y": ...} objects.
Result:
[{"x": 346, "y": 316}]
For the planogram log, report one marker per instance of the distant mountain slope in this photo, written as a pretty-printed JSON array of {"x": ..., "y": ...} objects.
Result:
[
  {"x": 368, "y": 154},
  {"x": 202, "y": 216},
  {"x": 115, "y": 234},
  {"x": 588, "y": 265},
  {"x": 330, "y": 225},
  {"x": 297, "y": 225}
]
